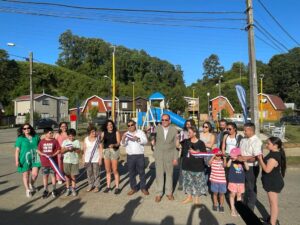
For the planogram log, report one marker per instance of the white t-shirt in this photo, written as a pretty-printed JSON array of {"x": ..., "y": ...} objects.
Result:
[
  {"x": 230, "y": 144},
  {"x": 88, "y": 151},
  {"x": 251, "y": 147},
  {"x": 71, "y": 157}
]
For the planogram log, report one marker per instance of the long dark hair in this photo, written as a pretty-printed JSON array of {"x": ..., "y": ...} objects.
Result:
[
  {"x": 61, "y": 123},
  {"x": 210, "y": 129},
  {"x": 20, "y": 130},
  {"x": 194, "y": 129},
  {"x": 277, "y": 141},
  {"x": 191, "y": 121},
  {"x": 104, "y": 127}
]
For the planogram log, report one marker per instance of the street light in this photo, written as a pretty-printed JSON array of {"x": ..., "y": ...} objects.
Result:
[
  {"x": 261, "y": 77},
  {"x": 113, "y": 83},
  {"x": 31, "y": 111},
  {"x": 133, "y": 100},
  {"x": 219, "y": 102},
  {"x": 208, "y": 94}
]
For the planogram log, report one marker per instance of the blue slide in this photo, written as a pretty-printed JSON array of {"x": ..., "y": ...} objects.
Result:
[{"x": 175, "y": 118}]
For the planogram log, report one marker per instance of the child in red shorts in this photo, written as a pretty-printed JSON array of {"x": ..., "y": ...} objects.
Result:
[{"x": 236, "y": 178}]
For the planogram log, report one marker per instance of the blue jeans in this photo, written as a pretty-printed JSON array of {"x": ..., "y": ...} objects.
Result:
[{"x": 136, "y": 165}]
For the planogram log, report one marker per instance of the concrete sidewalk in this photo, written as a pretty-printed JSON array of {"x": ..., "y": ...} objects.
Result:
[{"x": 100, "y": 208}]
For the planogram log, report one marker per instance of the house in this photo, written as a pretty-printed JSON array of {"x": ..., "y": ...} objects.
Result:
[
  {"x": 193, "y": 105},
  {"x": 126, "y": 107},
  {"x": 218, "y": 105},
  {"x": 47, "y": 106},
  {"x": 271, "y": 106}
]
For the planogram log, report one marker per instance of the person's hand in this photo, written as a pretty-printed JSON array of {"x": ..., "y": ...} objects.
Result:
[
  {"x": 260, "y": 157},
  {"x": 123, "y": 137},
  {"x": 111, "y": 146},
  {"x": 17, "y": 163},
  {"x": 240, "y": 158},
  {"x": 175, "y": 162},
  {"x": 100, "y": 162}
]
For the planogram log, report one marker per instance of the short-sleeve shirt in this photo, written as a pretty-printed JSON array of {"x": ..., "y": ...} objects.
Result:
[
  {"x": 48, "y": 147},
  {"x": 251, "y": 147},
  {"x": 236, "y": 173},
  {"x": 217, "y": 174},
  {"x": 71, "y": 157},
  {"x": 192, "y": 163}
]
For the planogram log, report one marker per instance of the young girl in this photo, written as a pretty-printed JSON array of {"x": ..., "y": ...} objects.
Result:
[
  {"x": 217, "y": 179},
  {"x": 273, "y": 170},
  {"x": 236, "y": 178}
]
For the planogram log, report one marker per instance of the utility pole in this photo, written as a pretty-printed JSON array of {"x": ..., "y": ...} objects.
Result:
[
  {"x": 252, "y": 67},
  {"x": 133, "y": 101},
  {"x": 31, "y": 89},
  {"x": 113, "y": 85}
]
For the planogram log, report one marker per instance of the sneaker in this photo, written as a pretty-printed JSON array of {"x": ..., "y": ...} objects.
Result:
[
  {"x": 74, "y": 193},
  {"x": 215, "y": 208},
  {"x": 32, "y": 188},
  {"x": 117, "y": 191},
  {"x": 68, "y": 192},
  {"x": 59, "y": 182},
  {"x": 221, "y": 209},
  {"x": 45, "y": 194},
  {"x": 28, "y": 194},
  {"x": 106, "y": 190},
  {"x": 54, "y": 193}
]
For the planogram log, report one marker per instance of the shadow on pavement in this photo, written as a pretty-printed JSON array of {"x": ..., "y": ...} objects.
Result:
[
  {"x": 168, "y": 220},
  {"x": 206, "y": 217},
  {"x": 4, "y": 175},
  {"x": 8, "y": 190},
  {"x": 262, "y": 210}
]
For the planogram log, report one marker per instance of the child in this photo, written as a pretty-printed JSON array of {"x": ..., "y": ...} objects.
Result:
[
  {"x": 217, "y": 179},
  {"x": 236, "y": 178},
  {"x": 92, "y": 162},
  {"x": 70, "y": 149},
  {"x": 273, "y": 170},
  {"x": 48, "y": 147}
]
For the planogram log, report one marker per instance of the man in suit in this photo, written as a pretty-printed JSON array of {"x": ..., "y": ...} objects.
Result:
[{"x": 166, "y": 157}]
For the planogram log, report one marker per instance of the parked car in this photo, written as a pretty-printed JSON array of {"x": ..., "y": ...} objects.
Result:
[
  {"x": 293, "y": 120},
  {"x": 99, "y": 121},
  {"x": 45, "y": 122}
]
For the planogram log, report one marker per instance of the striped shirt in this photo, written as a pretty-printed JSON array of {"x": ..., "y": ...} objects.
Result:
[{"x": 217, "y": 174}]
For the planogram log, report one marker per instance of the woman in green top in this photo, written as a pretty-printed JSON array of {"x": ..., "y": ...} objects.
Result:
[{"x": 26, "y": 157}]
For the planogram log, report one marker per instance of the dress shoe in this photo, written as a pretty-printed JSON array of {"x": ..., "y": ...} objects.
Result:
[
  {"x": 157, "y": 198},
  {"x": 131, "y": 192},
  {"x": 170, "y": 197},
  {"x": 145, "y": 192}
]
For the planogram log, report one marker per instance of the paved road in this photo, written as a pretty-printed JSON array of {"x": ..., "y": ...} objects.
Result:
[{"x": 101, "y": 208}]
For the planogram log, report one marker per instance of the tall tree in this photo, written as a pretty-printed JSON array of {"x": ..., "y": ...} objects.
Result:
[{"x": 212, "y": 67}]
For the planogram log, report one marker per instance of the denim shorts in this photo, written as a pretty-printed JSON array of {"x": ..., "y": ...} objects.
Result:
[
  {"x": 218, "y": 187},
  {"x": 47, "y": 170}
]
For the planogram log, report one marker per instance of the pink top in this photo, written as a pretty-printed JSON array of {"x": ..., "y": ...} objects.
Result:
[
  {"x": 61, "y": 137},
  {"x": 217, "y": 174}
]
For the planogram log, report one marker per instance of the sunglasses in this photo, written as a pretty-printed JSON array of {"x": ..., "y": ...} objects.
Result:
[
  {"x": 164, "y": 120},
  {"x": 205, "y": 126},
  {"x": 26, "y": 128},
  {"x": 229, "y": 129},
  {"x": 130, "y": 125}
]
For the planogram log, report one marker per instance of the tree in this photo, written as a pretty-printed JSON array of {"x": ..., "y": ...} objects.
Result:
[{"x": 212, "y": 67}]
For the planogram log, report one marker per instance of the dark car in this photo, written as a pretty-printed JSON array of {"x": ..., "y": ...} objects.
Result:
[
  {"x": 99, "y": 121},
  {"x": 46, "y": 122},
  {"x": 293, "y": 120}
]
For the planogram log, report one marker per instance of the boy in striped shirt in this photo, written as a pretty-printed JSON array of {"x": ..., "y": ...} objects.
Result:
[{"x": 217, "y": 179}]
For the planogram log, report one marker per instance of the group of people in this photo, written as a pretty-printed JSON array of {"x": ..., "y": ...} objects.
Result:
[{"x": 209, "y": 161}]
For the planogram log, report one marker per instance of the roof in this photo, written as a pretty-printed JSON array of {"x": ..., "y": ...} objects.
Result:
[
  {"x": 36, "y": 96},
  {"x": 157, "y": 96},
  {"x": 276, "y": 101},
  {"x": 225, "y": 99},
  {"x": 94, "y": 96}
]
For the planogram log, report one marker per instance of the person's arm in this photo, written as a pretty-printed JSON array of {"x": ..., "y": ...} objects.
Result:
[
  {"x": 271, "y": 164},
  {"x": 246, "y": 158},
  {"x": 246, "y": 166},
  {"x": 229, "y": 162},
  {"x": 224, "y": 161},
  {"x": 118, "y": 136},
  {"x": 123, "y": 142},
  {"x": 17, "y": 153},
  {"x": 100, "y": 155},
  {"x": 211, "y": 160},
  {"x": 84, "y": 150},
  {"x": 143, "y": 138},
  {"x": 224, "y": 144}
]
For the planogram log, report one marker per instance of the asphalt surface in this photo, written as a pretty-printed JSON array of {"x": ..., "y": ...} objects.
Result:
[{"x": 100, "y": 208}]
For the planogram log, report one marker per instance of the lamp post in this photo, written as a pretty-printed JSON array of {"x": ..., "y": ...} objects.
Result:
[
  {"x": 219, "y": 102},
  {"x": 113, "y": 83},
  {"x": 208, "y": 94},
  {"x": 261, "y": 77},
  {"x": 133, "y": 100},
  {"x": 31, "y": 110},
  {"x": 193, "y": 102}
]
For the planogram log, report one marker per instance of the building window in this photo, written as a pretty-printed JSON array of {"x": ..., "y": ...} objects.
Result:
[
  {"x": 109, "y": 104},
  {"x": 45, "y": 115},
  {"x": 94, "y": 104},
  {"x": 45, "y": 102},
  {"x": 124, "y": 105}
]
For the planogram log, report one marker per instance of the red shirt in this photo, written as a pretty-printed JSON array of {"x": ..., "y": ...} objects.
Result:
[
  {"x": 217, "y": 174},
  {"x": 48, "y": 147}
]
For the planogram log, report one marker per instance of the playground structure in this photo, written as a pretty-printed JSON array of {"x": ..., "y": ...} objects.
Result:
[{"x": 153, "y": 114}]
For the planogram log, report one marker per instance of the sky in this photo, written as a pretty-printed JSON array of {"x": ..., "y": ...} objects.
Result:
[{"x": 182, "y": 39}]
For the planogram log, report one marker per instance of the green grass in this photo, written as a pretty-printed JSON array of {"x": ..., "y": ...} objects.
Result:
[{"x": 292, "y": 133}]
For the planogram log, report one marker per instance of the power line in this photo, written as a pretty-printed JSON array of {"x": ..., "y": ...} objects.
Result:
[
  {"x": 277, "y": 22},
  {"x": 118, "y": 20},
  {"x": 122, "y": 10},
  {"x": 267, "y": 43},
  {"x": 260, "y": 27}
]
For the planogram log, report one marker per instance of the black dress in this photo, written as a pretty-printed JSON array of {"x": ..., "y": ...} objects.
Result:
[{"x": 273, "y": 181}]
